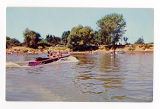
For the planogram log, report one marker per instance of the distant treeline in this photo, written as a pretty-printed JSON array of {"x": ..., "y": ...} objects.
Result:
[
  {"x": 110, "y": 33},
  {"x": 12, "y": 42}
]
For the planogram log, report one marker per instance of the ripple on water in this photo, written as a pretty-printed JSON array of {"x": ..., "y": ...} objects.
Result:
[{"x": 99, "y": 77}]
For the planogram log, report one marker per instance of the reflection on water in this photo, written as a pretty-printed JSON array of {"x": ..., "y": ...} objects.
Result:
[
  {"x": 96, "y": 77},
  {"x": 119, "y": 78},
  {"x": 102, "y": 75}
]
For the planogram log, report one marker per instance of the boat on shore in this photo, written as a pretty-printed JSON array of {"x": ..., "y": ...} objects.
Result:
[{"x": 41, "y": 60}]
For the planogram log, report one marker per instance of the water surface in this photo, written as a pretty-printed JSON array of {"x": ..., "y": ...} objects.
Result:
[{"x": 95, "y": 77}]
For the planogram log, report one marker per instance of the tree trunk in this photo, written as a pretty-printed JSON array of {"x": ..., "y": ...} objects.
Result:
[{"x": 114, "y": 47}]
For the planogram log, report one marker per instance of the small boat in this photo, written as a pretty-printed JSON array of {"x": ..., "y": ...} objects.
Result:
[{"x": 41, "y": 60}]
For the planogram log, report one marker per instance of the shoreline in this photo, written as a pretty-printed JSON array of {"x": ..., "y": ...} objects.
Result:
[
  {"x": 30, "y": 51},
  {"x": 86, "y": 52},
  {"x": 111, "y": 52}
]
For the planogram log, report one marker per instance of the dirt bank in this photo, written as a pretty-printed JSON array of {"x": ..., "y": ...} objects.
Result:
[{"x": 128, "y": 48}]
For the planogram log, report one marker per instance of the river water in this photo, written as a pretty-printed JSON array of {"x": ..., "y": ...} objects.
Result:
[{"x": 82, "y": 77}]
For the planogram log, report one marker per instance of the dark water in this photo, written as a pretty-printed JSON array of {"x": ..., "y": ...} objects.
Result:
[{"x": 95, "y": 77}]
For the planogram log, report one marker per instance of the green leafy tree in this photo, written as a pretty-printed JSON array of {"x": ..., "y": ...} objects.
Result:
[
  {"x": 97, "y": 38},
  {"x": 31, "y": 38},
  {"x": 58, "y": 40},
  {"x": 12, "y": 42},
  {"x": 65, "y": 36},
  {"x": 50, "y": 39},
  {"x": 112, "y": 27},
  {"x": 53, "y": 40},
  {"x": 43, "y": 43},
  {"x": 140, "y": 41},
  {"x": 79, "y": 37}
]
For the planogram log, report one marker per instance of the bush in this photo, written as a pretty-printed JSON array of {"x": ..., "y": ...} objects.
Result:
[
  {"x": 147, "y": 46},
  {"x": 46, "y": 48},
  {"x": 131, "y": 48},
  {"x": 12, "y": 42},
  {"x": 25, "y": 51}
]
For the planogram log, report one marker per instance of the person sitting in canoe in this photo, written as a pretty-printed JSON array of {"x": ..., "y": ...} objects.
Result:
[
  {"x": 59, "y": 54},
  {"x": 50, "y": 54},
  {"x": 54, "y": 54}
]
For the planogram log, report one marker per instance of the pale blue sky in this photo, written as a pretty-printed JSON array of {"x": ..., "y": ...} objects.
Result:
[{"x": 57, "y": 20}]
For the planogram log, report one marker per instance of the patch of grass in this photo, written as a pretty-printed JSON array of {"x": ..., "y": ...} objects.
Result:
[
  {"x": 46, "y": 48},
  {"x": 131, "y": 48},
  {"x": 25, "y": 50},
  {"x": 60, "y": 48}
]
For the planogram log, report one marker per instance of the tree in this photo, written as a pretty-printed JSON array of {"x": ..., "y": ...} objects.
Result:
[
  {"x": 79, "y": 37},
  {"x": 112, "y": 27},
  {"x": 97, "y": 38},
  {"x": 125, "y": 40},
  {"x": 65, "y": 36},
  {"x": 140, "y": 41},
  {"x": 58, "y": 40},
  {"x": 43, "y": 43},
  {"x": 31, "y": 38},
  {"x": 53, "y": 40},
  {"x": 12, "y": 42}
]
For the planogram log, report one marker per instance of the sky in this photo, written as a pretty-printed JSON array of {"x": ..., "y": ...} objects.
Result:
[{"x": 140, "y": 21}]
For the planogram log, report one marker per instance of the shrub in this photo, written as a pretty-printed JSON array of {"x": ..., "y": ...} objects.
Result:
[
  {"x": 147, "y": 46},
  {"x": 25, "y": 50},
  {"x": 131, "y": 48}
]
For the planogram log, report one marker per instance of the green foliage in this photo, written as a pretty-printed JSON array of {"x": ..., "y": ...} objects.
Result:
[
  {"x": 131, "y": 48},
  {"x": 64, "y": 37},
  {"x": 43, "y": 43},
  {"x": 98, "y": 38},
  {"x": 140, "y": 41},
  {"x": 46, "y": 48},
  {"x": 25, "y": 51},
  {"x": 80, "y": 37},
  {"x": 31, "y": 38},
  {"x": 53, "y": 40},
  {"x": 112, "y": 27},
  {"x": 12, "y": 42}
]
